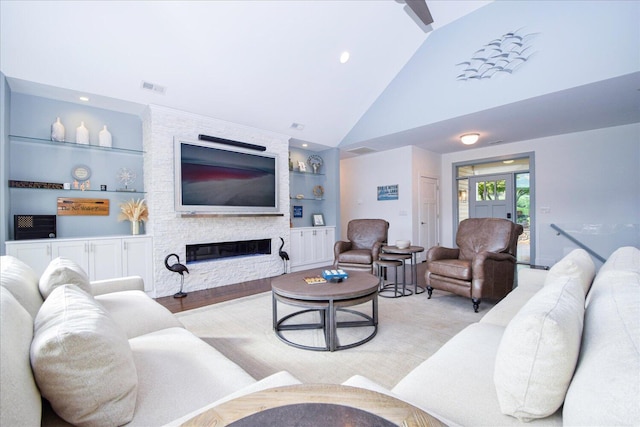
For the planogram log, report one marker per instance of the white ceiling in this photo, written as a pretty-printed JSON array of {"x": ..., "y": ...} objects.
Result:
[{"x": 265, "y": 64}]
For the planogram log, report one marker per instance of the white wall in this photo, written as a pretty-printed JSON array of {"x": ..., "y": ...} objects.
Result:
[
  {"x": 586, "y": 182},
  {"x": 172, "y": 232},
  {"x": 360, "y": 177}
]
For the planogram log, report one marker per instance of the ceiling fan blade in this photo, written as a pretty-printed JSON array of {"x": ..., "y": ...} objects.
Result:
[{"x": 419, "y": 7}]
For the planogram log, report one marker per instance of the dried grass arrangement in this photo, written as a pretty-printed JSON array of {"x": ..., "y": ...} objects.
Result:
[{"x": 134, "y": 211}]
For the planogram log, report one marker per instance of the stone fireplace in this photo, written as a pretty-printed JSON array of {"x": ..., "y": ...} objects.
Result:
[{"x": 172, "y": 231}]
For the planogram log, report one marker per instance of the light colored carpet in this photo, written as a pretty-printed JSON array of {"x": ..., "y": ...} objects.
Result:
[{"x": 410, "y": 330}]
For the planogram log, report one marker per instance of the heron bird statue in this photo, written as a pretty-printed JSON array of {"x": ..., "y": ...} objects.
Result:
[
  {"x": 177, "y": 268},
  {"x": 283, "y": 255}
]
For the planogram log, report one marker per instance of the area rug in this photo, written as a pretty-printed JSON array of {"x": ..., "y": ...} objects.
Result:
[{"x": 410, "y": 329}]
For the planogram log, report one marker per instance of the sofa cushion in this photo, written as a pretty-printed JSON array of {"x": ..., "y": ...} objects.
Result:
[
  {"x": 179, "y": 373},
  {"x": 22, "y": 282},
  {"x": 63, "y": 271},
  {"x": 82, "y": 361},
  {"x": 539, "y": 350},
  {"x": 136, "y": 313},
  {"x": 20, "y": 402},
  {"x": 577, "y": 264},
  {"x": 358, "y": 256},
  {"x": 605, "y": 389},
  {"x": 456, "y": 382}
]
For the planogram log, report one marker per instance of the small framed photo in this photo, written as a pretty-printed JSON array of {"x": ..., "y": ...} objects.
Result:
[
  {"x": 318, "y": 220},
  {"x": 297, "y": 211},
  {"x": 302, "y": 167}
]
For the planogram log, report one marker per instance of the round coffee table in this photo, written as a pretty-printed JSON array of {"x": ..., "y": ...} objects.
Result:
[
  {"x": 295, "y": 404},
  {"x": 327, "y": 299}
]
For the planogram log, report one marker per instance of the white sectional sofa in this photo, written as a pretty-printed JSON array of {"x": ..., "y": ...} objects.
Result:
[
  {"x": 562, "y": 348},
  {"x": 103, "y": 354}
]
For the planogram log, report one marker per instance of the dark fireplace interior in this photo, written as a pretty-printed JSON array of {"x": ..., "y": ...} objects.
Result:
[{"x": 214, "y": 251}]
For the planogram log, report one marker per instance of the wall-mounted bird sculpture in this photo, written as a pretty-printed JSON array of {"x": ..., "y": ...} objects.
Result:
[
  {"x": 177, "y": 268},
  {"x": 283, "y": 255}
]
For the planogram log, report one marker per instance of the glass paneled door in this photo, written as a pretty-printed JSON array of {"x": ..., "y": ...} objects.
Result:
[{"x": 491, "y": 196}]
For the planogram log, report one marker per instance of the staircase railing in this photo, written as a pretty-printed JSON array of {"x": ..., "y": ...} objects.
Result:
[{"x": 578, "y": 242}]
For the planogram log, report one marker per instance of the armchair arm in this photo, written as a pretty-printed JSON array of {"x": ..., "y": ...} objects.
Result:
[
  {"x": 440, "y": 252},
  {"x": 376, "y": 249},
  {"x": 107, "y": 286}
]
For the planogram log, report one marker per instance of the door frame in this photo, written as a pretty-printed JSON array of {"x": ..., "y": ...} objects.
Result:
[{"x": 530, "y": 155}]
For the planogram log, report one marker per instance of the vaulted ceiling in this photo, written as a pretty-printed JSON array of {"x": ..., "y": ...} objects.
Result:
[{"x": 270, "y": 64}]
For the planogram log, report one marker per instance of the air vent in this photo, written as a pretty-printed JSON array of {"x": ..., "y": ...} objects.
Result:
[
  {"x": 297, "y": 126},
  {"x": 361, "y": 150},
  {"x": 495, "y": 142},
  {"x": 154, "y": 87}
]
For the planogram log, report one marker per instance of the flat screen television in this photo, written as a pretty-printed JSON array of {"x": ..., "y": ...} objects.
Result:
[{"x": 216, "y": 178}]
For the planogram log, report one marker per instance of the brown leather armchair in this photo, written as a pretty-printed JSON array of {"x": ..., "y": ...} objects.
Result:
[
  {"x": 483, "y": 265},
  {"x": 366, "y": 238}
]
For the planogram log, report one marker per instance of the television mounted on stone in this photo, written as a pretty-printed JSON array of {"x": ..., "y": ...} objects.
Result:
[{"x": 221, "y": 179}]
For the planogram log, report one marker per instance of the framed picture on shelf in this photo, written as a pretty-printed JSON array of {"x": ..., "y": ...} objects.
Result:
[
  {"x": 318, "y": 220},
  {"x": 297, "y": 211}
]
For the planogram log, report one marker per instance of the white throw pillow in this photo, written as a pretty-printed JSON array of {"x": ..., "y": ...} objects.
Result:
[
  {"x": 63, "y": 271},
  {"x": 539, "y": 351},
  {"x": 577, "y": 264},
  {"x": 82, "y": 361}
]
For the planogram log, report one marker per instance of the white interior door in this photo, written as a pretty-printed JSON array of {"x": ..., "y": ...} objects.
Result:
[
  {"x": 491, "y": 196},
  {"x": 428, "y": 235}
]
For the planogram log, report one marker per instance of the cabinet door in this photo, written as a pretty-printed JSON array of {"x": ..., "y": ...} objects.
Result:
[
  {"x": 105, "y": 259},
  {"x": 75, "y": 250},
  {"x": 36, "y": 255},
  {"x": 328, "y": 238},
  {"x": 137, "y": 260},
  {"x": 296, "y": 245}
]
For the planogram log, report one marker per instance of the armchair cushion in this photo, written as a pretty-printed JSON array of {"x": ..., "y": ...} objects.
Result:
[{"x": 454, "y": 268}]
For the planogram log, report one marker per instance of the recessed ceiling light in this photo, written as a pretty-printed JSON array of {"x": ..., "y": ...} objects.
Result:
[
  {"x": 305, "y": 145},
  {"x": 469, "y": 138},
  {"x": 507, "y": 162},
  {"x": 344, "y": 57},
  {"x": 84, "y": 98}
]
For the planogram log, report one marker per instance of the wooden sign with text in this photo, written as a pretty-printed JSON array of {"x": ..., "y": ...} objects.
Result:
[{"x": 78, "y": 206}]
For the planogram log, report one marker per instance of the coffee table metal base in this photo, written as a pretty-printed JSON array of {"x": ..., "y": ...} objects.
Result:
[{"x": 327, "y": 311}]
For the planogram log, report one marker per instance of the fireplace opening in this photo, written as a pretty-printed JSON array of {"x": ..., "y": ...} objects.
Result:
[{"x": 221, "y": 250}]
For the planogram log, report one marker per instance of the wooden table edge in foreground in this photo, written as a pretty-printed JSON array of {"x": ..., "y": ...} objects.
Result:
[{"x": 394, "y": 410}]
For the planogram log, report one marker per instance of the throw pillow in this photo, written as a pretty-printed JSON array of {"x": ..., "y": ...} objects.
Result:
[
  {"x": 577, "y": 264},
  {"x": 63, "y": 271},
  {"x": 22, "y": 282},
  {"x": 82, "y": 361},
  {"x": 539, "y": 351}
]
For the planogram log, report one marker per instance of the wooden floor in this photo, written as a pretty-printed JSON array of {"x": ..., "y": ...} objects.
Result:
[{"x": 197, "y": 299}]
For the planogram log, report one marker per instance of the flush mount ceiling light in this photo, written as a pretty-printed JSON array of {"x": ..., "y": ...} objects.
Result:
[
  {"x": 84, "y": 98},
  {"x": 344, "y": 57},
  {"x": 469, "y": 138}
]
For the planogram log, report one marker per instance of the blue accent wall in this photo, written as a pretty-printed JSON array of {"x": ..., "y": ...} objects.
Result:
[{"x": 31, "y": 117}]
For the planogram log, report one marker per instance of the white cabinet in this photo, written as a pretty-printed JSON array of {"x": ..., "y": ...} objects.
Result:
[
  {"x": 137, "y": 259},
  {"x": 101, "y": 258},
  {"x": 311, "y": 247}
]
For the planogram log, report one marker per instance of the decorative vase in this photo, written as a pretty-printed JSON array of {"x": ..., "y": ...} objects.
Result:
[
  {"x": 82, "y": 134},
  {"x": 135, "y": 227},
  {"x": 104, "y": 138},
  {"x": 57, "y": 131}
]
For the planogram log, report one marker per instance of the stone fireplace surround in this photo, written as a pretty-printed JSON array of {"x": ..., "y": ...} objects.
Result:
[{"x": 172, "y": 232}]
